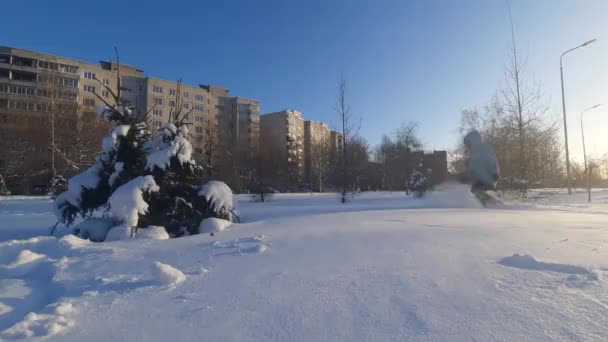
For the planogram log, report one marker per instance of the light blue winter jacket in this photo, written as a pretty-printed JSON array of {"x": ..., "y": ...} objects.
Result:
[{"x": 483, "y": 165}]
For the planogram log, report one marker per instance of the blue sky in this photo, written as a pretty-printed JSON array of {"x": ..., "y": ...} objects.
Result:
[{"x": 404, "y": 60}]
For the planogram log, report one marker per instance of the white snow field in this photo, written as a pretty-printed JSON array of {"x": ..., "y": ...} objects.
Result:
[{"x": 303, "y": 267}]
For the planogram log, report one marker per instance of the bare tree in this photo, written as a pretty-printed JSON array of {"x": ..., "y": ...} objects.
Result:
[
  {"x": 407, "y": 135},
  {"x": 320, "y": 163},
  {"x": 342, "y": 109}
]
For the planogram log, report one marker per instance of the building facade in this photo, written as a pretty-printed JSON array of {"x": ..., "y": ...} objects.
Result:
[
  {"x": 47, "y": 100},
  {"x": 318, "y": 154},
  {"x": 282, "y": 145},
  {"x": 239, "y": 130}
]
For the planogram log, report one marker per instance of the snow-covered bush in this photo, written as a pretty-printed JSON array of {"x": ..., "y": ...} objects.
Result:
[
  {"x": 417, "y": 183},
  {"x": 57, "y": 185},
  {"x": 219, "y": 199}
]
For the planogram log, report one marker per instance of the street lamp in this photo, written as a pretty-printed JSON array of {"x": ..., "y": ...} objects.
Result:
[
  {"x": 561, "y": 72},
  {"x": 587, "y": 171}
]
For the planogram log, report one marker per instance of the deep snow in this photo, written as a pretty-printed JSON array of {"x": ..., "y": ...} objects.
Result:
[{"x": 306, "y": 268}]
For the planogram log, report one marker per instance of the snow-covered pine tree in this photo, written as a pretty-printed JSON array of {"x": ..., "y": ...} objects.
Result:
[
  {"x": 176, "y": 206},
  {"x": 417, "y": 183},
  {"x": 123, "y": 159},
  {"x": 57, "y": 185}
]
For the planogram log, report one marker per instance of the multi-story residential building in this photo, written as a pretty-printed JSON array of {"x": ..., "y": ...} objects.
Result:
[
  {"x": 239, "y": 129},
  {"x": 32, "y": 83},
  {"x": 317, "y": 153},
  {"x": 282, "y": 143},
  {"x": 45, "y": 102}
]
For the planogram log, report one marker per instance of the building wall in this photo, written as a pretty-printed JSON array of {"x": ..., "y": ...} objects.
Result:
[
  {"x": 282, "y": 138},
  {"x": 317, "y": 140}
]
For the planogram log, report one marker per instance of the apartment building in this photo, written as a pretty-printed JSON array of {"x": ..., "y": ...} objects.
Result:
[
  {"x": 282, "y": 143},
  {"x": 318, "y": 152},
  {"x": 239, "y": 129},
  {"x": 46, "y": 100},
  {"x": 31, "y": 83}
]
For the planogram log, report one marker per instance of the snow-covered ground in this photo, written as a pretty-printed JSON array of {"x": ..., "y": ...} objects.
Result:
[{"x": 303, "y": 267}]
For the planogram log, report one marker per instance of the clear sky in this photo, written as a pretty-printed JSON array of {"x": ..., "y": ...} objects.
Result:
[{"x": 403, "y": 60}]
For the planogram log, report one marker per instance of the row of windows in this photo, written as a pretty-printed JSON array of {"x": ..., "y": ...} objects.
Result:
[
  {"x": 36, "y": 121},
  {"x": 173, "y": 92},
  {"x": 29, "y": 91},
  {"x": 62, "y": 81},
  {"x": 58, "y": 66},
  {"x": 40, "y": 107}
]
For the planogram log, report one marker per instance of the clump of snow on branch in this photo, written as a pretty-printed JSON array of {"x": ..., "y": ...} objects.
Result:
[
  {"x": 171, "y": 141},
  {"x": 118, "y": 167},
  {"x": 89, "y": 179},
  {"x": 107, "y": 113},
  {"x": 108, "y": 143},
  {"x": 127, "y": 202},
  {"x": 219, "y": 196}
]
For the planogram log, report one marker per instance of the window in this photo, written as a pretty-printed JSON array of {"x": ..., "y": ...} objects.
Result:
[
  {"x": 157, "y": 89},
  {"x": 198, "y": 119},
  {"x": 106, "y": 81},
  {"x": 200, "y": 98},
  {"x": 199, "y": 129},
  {"x": 105, "y": 93},
  {"x": 157, "y": 124},
  {"x": 69, "y": 68},
  {"x": 198, "y": 108},
  {"x": 69, "y": 82},
  {"x": 158, "y": 101},
  {"x": 89, "y": 89},
  {"x": 186, "y": 95},
  {"x": 199, "y": 139},
  {"x": 186, "y": 106},
  {"x": 157, "y": 112},
  {"x": 48, "y": 65},
  {"x": 89, "y": 75},
  {"x": 198, "y": 150},
  {"x": 171, "y": 103},
  {"x": 172, "y": 92},
  {"x": 89, "y": 102}
]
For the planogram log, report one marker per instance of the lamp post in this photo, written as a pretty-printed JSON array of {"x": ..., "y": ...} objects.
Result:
[
  {"x": 587, "y": 171},
  {"x": 561, "y": 72}
]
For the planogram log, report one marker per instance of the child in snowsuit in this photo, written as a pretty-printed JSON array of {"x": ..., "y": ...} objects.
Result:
[{"x": 483, "y": 170}]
